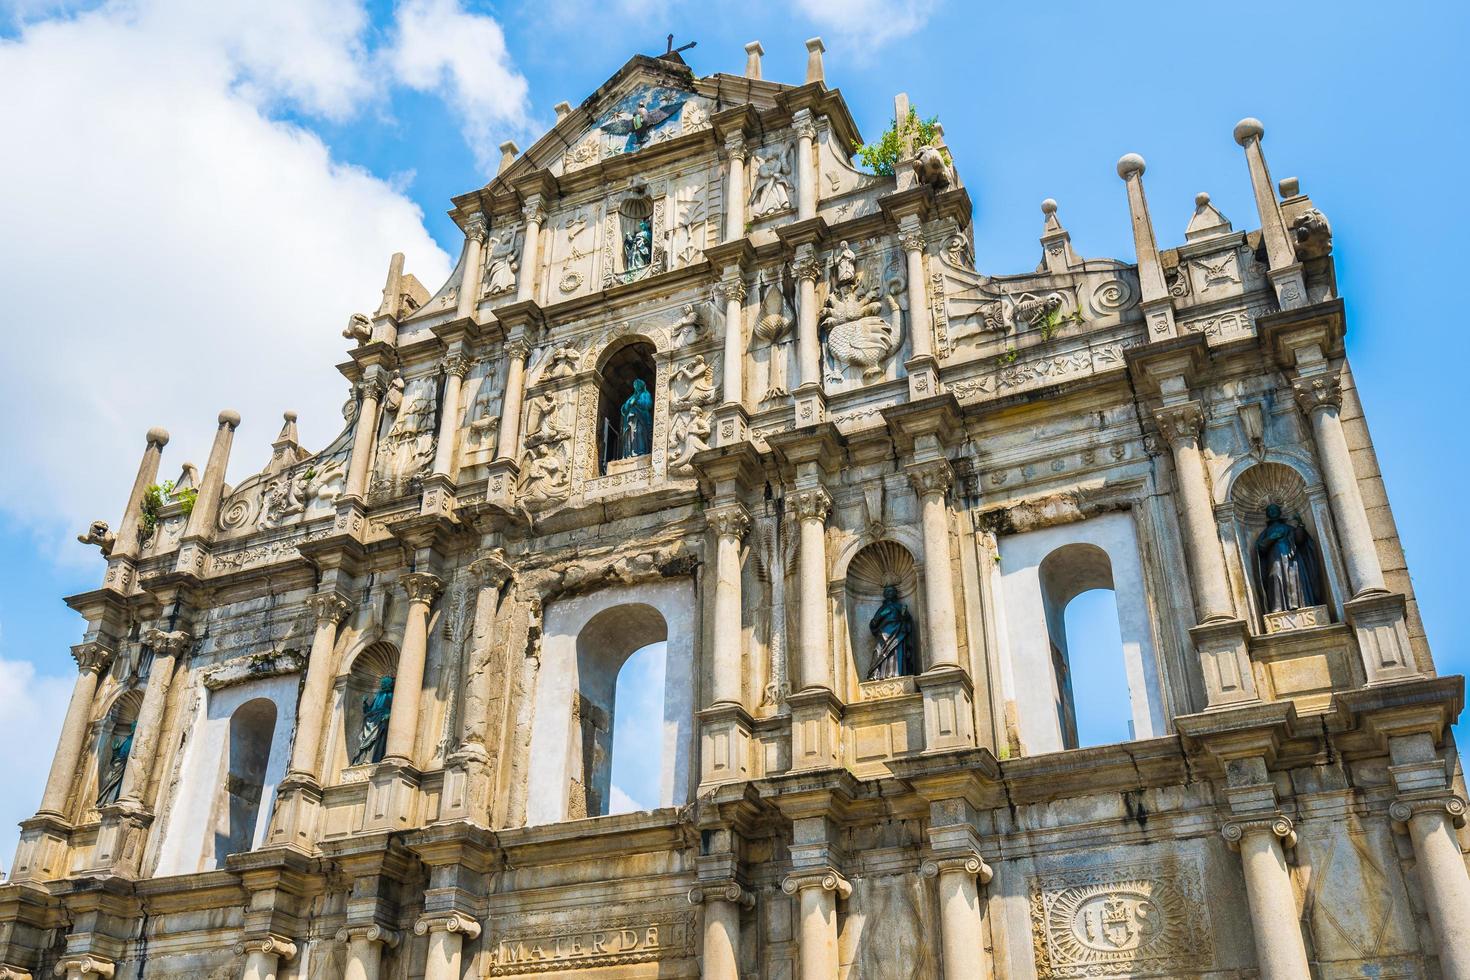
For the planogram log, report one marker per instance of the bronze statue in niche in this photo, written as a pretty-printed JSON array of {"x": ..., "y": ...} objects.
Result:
[
  {"x": 372, "y": 738},
  {"x": 1286, "y": 564},
  {"x": 892, "y": 628}
]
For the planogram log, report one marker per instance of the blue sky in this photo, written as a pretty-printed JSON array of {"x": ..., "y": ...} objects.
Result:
[{"x": 189, "y": 185}]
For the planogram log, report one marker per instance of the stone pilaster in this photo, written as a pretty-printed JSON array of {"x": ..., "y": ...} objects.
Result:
[
  {"x": 735, "y": 156},
  {"x": 811, "y": 404},
  {"x": 474, "y": 252}
]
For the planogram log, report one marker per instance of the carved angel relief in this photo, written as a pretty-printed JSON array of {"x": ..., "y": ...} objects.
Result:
[
  {"x": 502, "y": 263},
  {"x": 691, "y": 393},
  {"x": 771, "y": 188},
  {"x": 406, "y": 449}
]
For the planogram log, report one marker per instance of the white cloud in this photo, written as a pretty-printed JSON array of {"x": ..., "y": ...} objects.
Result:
[
  {"x": 461, "y": 56},
  {"x": 866, "y": 25},
  {"x": 621, "y": 802},
  {"x": 171, "y": 250},
  {"x": 31, "y": 710}
]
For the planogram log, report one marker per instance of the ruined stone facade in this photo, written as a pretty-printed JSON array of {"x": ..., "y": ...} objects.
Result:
[{"x": 841, "y": 405}]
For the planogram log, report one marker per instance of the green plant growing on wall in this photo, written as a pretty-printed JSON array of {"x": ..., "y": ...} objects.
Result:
[
  {"x": 881, "y": 157},
  {"x": 186, "y": 498},
  {"x": 1054, "y": 320},
  {"x": 1007, "y": 356},
  {"x": 155, "y": 496}
]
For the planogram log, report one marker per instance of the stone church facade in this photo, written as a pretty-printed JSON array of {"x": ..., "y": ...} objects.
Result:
[{"x": 353, "y": 717}]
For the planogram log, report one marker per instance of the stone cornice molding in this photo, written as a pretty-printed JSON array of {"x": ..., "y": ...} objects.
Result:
[
  {"x": 373, "y": 934},
  {"x": 270, "y": 945},
  {"x": 827, "y": 879},
  {"x": 329, "y": 608},
  {"x": 729, "y": 890},
  {"x": 964, "y": 861},
  {"x": 1234, "y": 831},
  {"x": 1402, "y": 810},
  {"x": 422, "y": 586},
  {"x": 86, "y": 965},
  {"x": 450, "y": 921},
  {"x": 731, "y": 519}
]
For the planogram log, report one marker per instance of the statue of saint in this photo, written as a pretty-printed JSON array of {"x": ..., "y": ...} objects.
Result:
[
  {"x": 892, "y": 628},
  {"x": 638, "y": 246},
  {"x": 636, "y": 433},
  {"x": 1286, "y": 563},
  {"x": 372, "y": 740},
  {"x": 117, "y": 764}
]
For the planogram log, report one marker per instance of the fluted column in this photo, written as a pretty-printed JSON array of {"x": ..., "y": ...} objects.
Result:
[
  {"x": 806, "y": 164},
  {"x": 931, "y": 482},
  {"x": 722, "y": 905},
  {"x": 126, "y": 545},
  {"x": 508, "y": 443},
  {"x": 1431, "y": 823},
  {"x": 535, "y": 213},
  {"x": 1280, "y": 952},
  {"x": 731, "y": 524},
  {"x": 364, "y": 433},
  {"x": 1320, "y": 397},
  {"x": 85, "y": 967},
  {"x": 422, "y": 588},
  {"x": 1181, "y": 426},
  {"x": 92, "y": 659},
  {"x": 732, "y": 291},
  {"x": 166, "y": 648},
  {"x": 961, "y": 917},
  {"x": 735, "y": 153},
  {"x": 808, "y": 344},
  {"x": 922, "y": 334},
  {"x": 810, "y": 509},
  {"x": 263, "y": 956},
  {"x": 329, "y": 609},
  {"x": 365, "y": 950},
  {"x": 474, "y": 250},
  {"x": 446, "y": 932},
  {"x": 456, "y": 366},
  {"x": 817, "y": 893}
]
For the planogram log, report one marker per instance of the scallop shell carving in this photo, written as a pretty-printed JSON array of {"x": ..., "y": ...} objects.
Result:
[
  {"x": 1268, "y": 483},
  {"x": 880, "y": 564}
]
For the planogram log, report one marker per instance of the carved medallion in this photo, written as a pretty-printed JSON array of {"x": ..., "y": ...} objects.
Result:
[{"x": 1141, "y": 920}]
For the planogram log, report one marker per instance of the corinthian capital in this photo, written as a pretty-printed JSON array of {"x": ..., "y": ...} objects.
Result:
[
  {"x": 422, "y": 586},
  {"x": 92, "y": 656},
  {"x": 809, "y": 505},
  {"x": 169, "y": 643},
  {"x": 518, "y": 348},
  {"x": 457, "y": 364},
  {"x": 1321, "y": 392},
  {"x": 730, "y": 289},
  {"x": 826, "y": 879},
  {"x": 374, "y": 387},
  {"x": 1278, "y": 825},
  {"x": 932, "y": 477},
  {"x": 474, "y": 228},
  {"x": 451, "y": 921},
  {"x": 732, "y": 520},
  {"x": 534, "y": 211},
  {"x": 329, "y": 607},
  {"x": 735, "y": 146},
  {"x": 491, "y": 569},
  {"x": 1177, "y": 422},
  {"x": 806, "y": 266},
  {"x": 802, "y": 124},
  {"x": 912, "y": 242}
]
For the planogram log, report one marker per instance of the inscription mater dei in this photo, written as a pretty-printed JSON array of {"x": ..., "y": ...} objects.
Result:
[{"x": 606, "y": 944}]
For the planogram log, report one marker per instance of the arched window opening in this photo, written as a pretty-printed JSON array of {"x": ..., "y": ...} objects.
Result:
[
  {"x": 604, "y": 647},
  {"x": 368, "y": 703},
  {"x": 625, "y": 410},
  {"x": 1065, "y": 574},
  {"x": 638, "y": 731},
  {"x": 115, "y": 744},
  {"x": 1095, "y": 666},
  {"x": 240, "y": 820}
]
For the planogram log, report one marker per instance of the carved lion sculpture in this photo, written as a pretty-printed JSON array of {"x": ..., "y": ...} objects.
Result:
[
  {"x": 100, "y": 535},
  {"x": 359, "y": 328},
  {"x": 1312, "y": 235},
  {"x": 932, "y": 169}
]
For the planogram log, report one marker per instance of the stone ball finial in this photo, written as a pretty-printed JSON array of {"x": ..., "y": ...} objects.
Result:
[
  {"x": 1201, "y": 199},
  {"x": 1248, "y": 129},
  {"x": 289, "y": 416},
  {"x": 229, "y": 417},
  {"x": 158, "y": 436},
  {"x": 1130, "y": 164},
  {"x": 1049, "y": 206}
]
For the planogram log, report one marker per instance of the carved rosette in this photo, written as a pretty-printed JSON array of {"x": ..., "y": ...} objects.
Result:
[
  {"x": 827, "y": 879},
  {"x": 1318, "y": 394},
  {"x": 491, "y": 570},
  {"x": 931, "y": 478},
  {"x": 422, "y": 587},
  {"x": 721, "y": 891},
  {"x": 458, "y": 364},
  {"x": 87, "y": 965},
  {"x": 1180, "y": 422},
  {"x": 373, "y": 934},
  {"x": 1403, "y": 810},
  {"x": 963, "y": 862},
  {"x": 732, "y": 520},
  {"x": 329, "y": 608},
  {"x": 1278, "y": 824},
  {"x": 452, "y": 921},
  {"x": 92, "y": 657},
  {"x": 269, "y": 945},
  {"x": 169, "y": 643},
  {"x": 809, "y": 505}
]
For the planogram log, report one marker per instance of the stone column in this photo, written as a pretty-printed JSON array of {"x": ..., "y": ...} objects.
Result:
[
  {"x": 817, "y": 892},
  {"x": 263, "y": 956},
  {"x": 732, "y": 290},
  {"x": 422, "y": 588},
  {"x": 446, "y": 932},
  {"x": 456, "y": 366},
  {"x": 535, "y": 213},
  {"x": 126, "y": 545},
  {"x": 365, "y": 950},
  {"x": 365, "y": 433},
  {"x": 931, "y": 482},
  {"x": 808, "y": 343},
  {"x": 731, "y": 524},
  {"x": 85, "y": 967},
  {"x": 1286, "y": 271},
  {"x": 1431, "y": 823},
  {"x": 810, "y": 508},
  {"x": 1280, "y": 952},
  {"x": 1320, "y": 397},
  {"x": 735, "y": 189},
  {"x": 722, "y": 905},
  {"x": 92, "y": 659},
  {"x": 206, "y": 504},
  {"x": 469, "y": 285},
  {"x": 508, "y": 442},
  {"x": 960, "y": 914},
  {"x": 920, "y": 331},
  {"x": 166, "y": 648},
  {"x": 806, "y": 164},
  {"x": 329, "y": 609},
  {"x": 1181, "y": 425},
  {"x": 1154, "y": 297}
]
